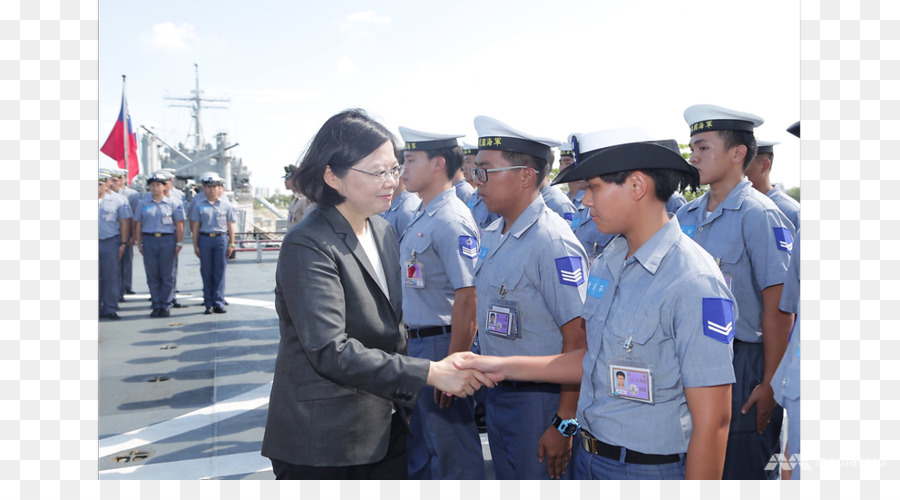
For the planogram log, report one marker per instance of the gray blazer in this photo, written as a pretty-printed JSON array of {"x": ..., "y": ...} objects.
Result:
[{"x": 338, "y": 369}]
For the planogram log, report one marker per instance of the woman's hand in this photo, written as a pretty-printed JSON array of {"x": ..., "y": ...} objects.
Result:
[{"x": 460, "y": 383}]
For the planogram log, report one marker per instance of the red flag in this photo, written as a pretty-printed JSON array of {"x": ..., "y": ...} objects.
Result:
[{"x": 114, "y": 147}]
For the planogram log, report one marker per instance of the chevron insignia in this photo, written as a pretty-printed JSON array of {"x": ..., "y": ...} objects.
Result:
[
  {"x": 783, "y": 239},
  {"x": 570, "y": 272},
  {"x": 468, "y": 246},
  {"x": 718, "y": 319}
]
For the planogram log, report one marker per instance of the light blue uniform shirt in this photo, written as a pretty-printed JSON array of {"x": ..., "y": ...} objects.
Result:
[
  {"x": 750, "y": 240},
  {"x": 464, "y": 190},
  {"x": 542, "y": 267},
  {"x": 557, "y": 201},
  {"x": 483, "y": 217},
  {"x": 403, "y": 207},
  {"x": 113, "y": 208},
  {"x": 213, "y": 217},
  {"x": 578, "y": 200},
  {"x": 786, "y": 381},
  {"x": 444, "y": 238},
  {"x": 676, "y": 201},
  {"x": 588, "y": 235},
  {"x": 158, "y": 217},
  {"x": 659, "y": 298},
  {"x": 786, "y": 204},
  {"x": 197, "y": 198}
]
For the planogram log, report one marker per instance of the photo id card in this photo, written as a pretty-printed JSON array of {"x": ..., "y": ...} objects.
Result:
[
  {"x": 630, "y": 382},
  {"x": 502, "y": 320},
  {"x": 414, "y": 278}
]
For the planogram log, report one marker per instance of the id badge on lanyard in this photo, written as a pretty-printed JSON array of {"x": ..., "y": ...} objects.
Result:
[
  {"x": 629, "y": 377},
  {"x": 502, "y": 318},
  {"x": 414, "y": 276}
]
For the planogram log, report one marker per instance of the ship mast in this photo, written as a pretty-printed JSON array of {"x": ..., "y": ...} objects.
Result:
[{"x": 197, "y": 101}]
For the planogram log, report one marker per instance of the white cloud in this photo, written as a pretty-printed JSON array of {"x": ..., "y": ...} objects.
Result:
[
  {"x": 359, "y": 20},
  {"x": 167, "y": 36},
  {"x": 346, "y": 67}
]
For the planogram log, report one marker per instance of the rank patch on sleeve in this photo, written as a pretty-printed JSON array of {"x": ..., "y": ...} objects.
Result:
[
  {"x": 718, "y": 319},
  {"x": 570, "y": 271},
  {"x": 468, "y": 246},
  {"x": 783, "y": 239}
]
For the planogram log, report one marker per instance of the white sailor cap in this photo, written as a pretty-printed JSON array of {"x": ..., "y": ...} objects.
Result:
[
  {"x": 707, "y": 117},
  {"x": 622, "y": 150},
  {"x": 765, "y": 146},
  {"x": 104, "y": 174},
  {"x": 158, "y": 176},
  {"x": 416, "y": 140},
  {"x": 119, "y": 172},
  {"x": 565, "y": 149},
  {"x": 496, "y": 135},
  {"x": 165, "y": 174},
  {"x": 469, "y": 149},
  {"x": 213, "y": 180}
]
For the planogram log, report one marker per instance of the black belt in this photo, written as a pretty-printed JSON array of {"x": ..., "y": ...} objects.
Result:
[
  {"x": 428, "y": 331},
  {"x": 158, "y": 234},
  {"x": 212, "y": 235},
  {"x": 597, "y": 447}
]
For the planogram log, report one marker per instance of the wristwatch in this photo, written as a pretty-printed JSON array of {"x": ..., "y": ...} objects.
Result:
[{"x": 565, "y": 427}]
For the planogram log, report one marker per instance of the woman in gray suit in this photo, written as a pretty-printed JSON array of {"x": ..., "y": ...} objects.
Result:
[{"x": 342, "y": 383}]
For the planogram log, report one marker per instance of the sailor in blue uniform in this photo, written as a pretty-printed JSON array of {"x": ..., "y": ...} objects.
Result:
[
  {"x": 160, "y": 229},
  {"x": 751, "y": 241},
  {"x": 212, "y": 224},
  {"x": 483, "y": 217},
  {"x": 675, "y": 202},
  {"x": 437, "y": 259},
  {"x": 530, "y": 278},
  {"x": 403, "y": 206},
  {"x": 657, "y": 374},
  {"x": 758, "y": 174},
  {"x": 786, "y": 382},
  {"x": 115, "y": 224},
  {"x": 462, "y": 185},
  {"x": 119, "y": 184},
  {"x": 558, "y": 202}
]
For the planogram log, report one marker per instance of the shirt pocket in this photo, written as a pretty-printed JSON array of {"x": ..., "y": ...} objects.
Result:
[{"x": 640, "y": 325}]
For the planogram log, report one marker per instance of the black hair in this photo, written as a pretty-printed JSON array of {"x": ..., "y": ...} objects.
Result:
[
  {"x": 453, "y": 159},
  {"x": 620, "y": 373},
  {"x": 732, "y": 138},
  {"x": 344, "y": 140},
  {"x": 540, "y": 165},
  {"x": 666, "y": 181}
]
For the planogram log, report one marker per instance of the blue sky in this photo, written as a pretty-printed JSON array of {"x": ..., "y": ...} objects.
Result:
[{"x": 573, "y": 66}]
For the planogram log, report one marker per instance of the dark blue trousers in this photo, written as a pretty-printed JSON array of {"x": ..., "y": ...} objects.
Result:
[
  {"x": 125, "y": 270},
  {"x": 213, "y": 259},
  {"x": 109, "y": 275},
  {"x": 159, "y": 264}
]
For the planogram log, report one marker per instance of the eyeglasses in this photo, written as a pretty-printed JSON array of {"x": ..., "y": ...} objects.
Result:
[
  {"x": 481, "y": 172},
  {"x": 382, "y": 175}
]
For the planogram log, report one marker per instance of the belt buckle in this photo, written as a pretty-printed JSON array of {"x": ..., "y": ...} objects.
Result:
[{"x": 157, "y": 234}]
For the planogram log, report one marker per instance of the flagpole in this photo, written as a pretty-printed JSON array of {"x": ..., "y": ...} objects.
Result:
[{"x": 125, "y": 127}]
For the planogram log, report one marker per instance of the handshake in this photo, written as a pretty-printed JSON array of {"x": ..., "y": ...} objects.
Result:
[{"x": 462, "y": 373}]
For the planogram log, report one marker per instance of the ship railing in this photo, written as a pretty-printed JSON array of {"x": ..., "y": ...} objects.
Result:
[{"x": 257, "y": 241}]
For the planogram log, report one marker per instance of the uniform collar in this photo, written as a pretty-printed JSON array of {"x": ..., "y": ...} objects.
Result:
[
  {"x": 439, "y": 201},
  {"x": 528, "y": 217},
  {"x": 774, "y": 190},
  {"x": 651, "y": 253},
  {"x": 733, "y": 201}
]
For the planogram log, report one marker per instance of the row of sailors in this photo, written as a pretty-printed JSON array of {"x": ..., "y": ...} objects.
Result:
[
  {"x": 655, "y": 358},
  {"x": 154, "y": 222}
]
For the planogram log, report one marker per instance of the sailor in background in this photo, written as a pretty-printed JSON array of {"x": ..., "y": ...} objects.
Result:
[
  {"x": 582, "y": 224},
  {"x": 212, "y": 224},
  {"x": 758, "y": 174},
  {"x": 483, "y": 217},
  {"x": 786, "y": 382},
  {"x": 115, "y": 221},
  {"x": 119, "y": 184},
  {"x": 555, "y": 199},
  {"x": 531, "y": 274},
  {"x": 403, "y": 206},
  {"x": 751, "y": 240},
  {"x": 160, "y": 228},
  {"x": 437, "y": 261}
]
